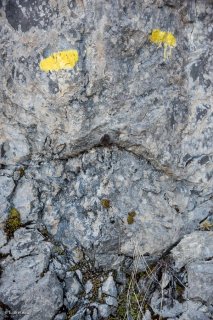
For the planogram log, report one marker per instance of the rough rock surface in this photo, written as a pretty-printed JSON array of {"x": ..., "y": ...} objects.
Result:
[{"x": 109, "y": 164}]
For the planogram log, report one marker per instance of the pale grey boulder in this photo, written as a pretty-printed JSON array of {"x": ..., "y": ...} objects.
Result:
[
  {"x": 111, "y": 301},
  {"x": 73, "y": 288},
  {"x": 6, "y": 186},
  {"x": 193, "y": 315},
  {"x": 166, "y": 308},
  {"x": 147, "y": 315},
  {"x": 109, "y": 287},
  {"x": 200, "y": 281},
  {"x": 193, "y": 247},
  {"x": 24, "y": 198},
  {"x": 44, "y": 299},
  {"x": 80, "y": 315},
  {"x": 13, "y": 142},
  {"x": 195, "y": 310},
  {"x": 28, "y": 242},
  {"x": 23, "y": 280},
  {"x": 12, "y": 285},
  {"x": 104, "y": 311},
  {"x": 61, "y": 316},
  {"x": 88, "y": 286},
  {"x": 59, "y": 268}
]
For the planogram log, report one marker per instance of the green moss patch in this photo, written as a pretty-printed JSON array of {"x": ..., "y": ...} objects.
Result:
[
  {"x": 58, "y": 250},
  {"x": 21, "y": 172},
  {"x": 105, "y": 203},
  {"x": 13, "y": 222},
  {"x": 131, "y": 217},
  {"x": 71, "y": 313}
]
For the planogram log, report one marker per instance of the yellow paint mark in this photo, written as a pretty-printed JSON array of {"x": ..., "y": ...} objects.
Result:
[
  {"x": 167, "y": 39},
  {"x": 60, "y": 60}
]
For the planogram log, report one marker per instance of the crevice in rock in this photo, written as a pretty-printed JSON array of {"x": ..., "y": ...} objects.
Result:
[{"x": 7, "y": 311}]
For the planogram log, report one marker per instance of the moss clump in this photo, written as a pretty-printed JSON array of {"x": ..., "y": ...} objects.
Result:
[
  {"x": 21, "y": 172},
  {"x": 73, "y": 268},
  {"x": 42, "y": 274},
  {"x": 58, "y": 250},
  {"x": 13, "y": 222},
  {"x": 81, "y": 265},
  {"x": 179, "y": 293},
  {"x": 71, "y": 313},
  {"x": 105, "y": 203},
  {"x": 130, "y": 217}
]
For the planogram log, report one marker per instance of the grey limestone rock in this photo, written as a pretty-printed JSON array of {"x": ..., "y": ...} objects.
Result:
[
  {"x": 23, "y": 199},
  {"x": 195, "y": 310},
  {"x": 111, "y": 301},
  {"x": 28, "y": 242},
  {"x": 194, "y": 315},
  {"x": 88, "y": 286},
  {"x": 95, "y": 314},
  {"x": 200, "y": 280},
  {"x": 147, "y": 315},
  {"x": 121, "y": 85},
  {"x": 109, "y": 163},
  {"x": 61, "y": 316},
  {"x": 58, "y": 268},
  {"x": 72, "y": 288},
  {"x": 104, "y": 310},
  {"x": 80, "y": 315},
  {"x": 164, "y": 307},
  {"x": 22, "y": 285},
  {"x": 196, "y": 246},
  {"x": 44, "y": 305},
  {"x": 109, "y": 287}
]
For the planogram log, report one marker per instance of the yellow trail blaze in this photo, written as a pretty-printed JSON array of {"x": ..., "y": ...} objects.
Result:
[
  {"x": 59, "y": 60},
  {"x": 167, "y": 39}
]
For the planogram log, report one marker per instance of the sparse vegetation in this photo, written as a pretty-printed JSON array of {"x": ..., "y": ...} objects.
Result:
[
  {"x": 134, "y": 301},
  {"x": 105, "y": 203},
  {"x": 21, "y": 172},
  {"x": 90, "y": 273},
  {"x": 96, "y": 282},
  {"x": 58, "y": 250},
  {"x": 13, "y": 222},
  {"x": 71, "y": 312},
  {"x": 130, "y": 217}
]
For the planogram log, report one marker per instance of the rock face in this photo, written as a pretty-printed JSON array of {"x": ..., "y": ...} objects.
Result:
[{"x": 109, "y": 164}]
